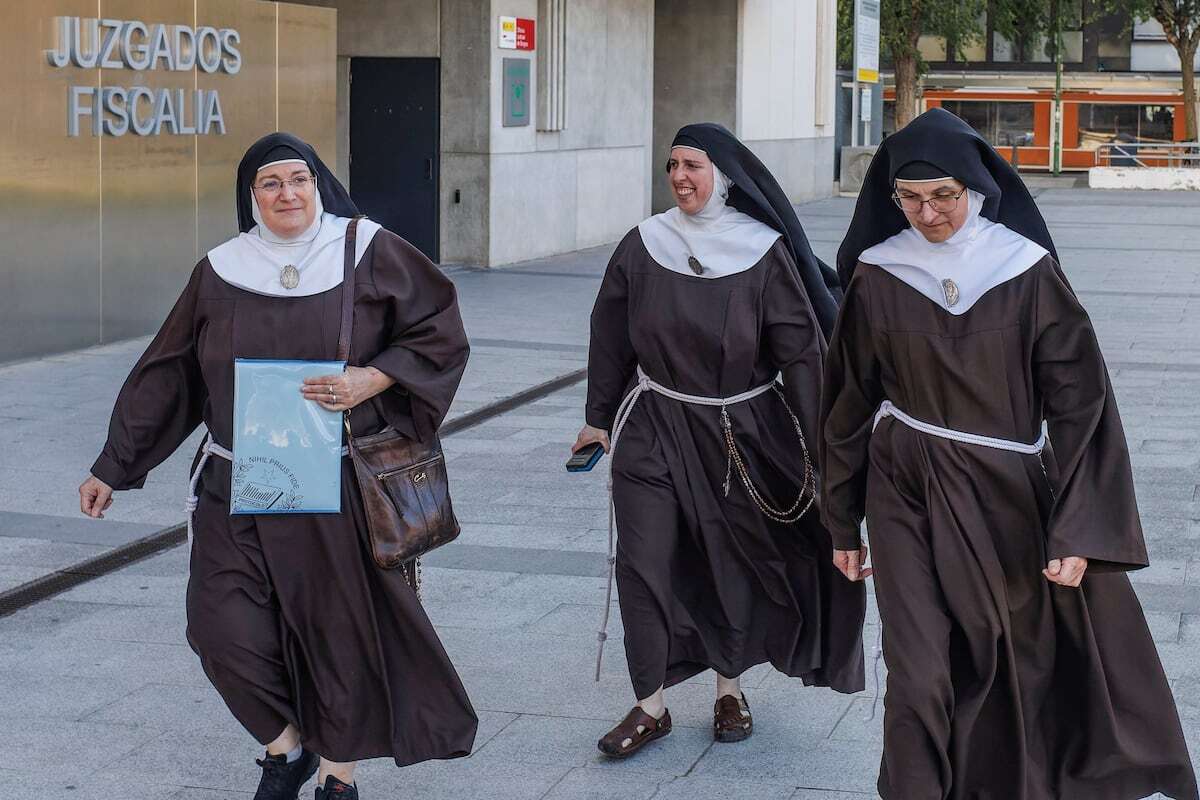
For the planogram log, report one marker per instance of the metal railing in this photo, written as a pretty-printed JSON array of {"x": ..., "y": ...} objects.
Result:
[{"x": 1148, "y": 154}]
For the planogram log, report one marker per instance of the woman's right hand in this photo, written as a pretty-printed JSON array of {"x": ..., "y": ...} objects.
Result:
[
  {"x": 587, "y": 435},
  {"x": 95, "y": 496}
]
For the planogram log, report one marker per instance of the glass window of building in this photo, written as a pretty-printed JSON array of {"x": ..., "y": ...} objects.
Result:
[{"x": 932, "y": 48}]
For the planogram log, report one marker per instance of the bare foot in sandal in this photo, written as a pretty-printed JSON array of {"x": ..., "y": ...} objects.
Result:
[
  {"x": 731, "y": 719},
  {"x": 634, "y": 732}
]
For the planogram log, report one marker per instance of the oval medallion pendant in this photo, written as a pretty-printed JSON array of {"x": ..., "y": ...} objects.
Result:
[
  {"x": 695, "y": 265},
  {"x": 289, "y": 277},
  {"x": 951, "y": 290}
]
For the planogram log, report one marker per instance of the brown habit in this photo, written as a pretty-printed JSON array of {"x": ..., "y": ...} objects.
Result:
[
  {"x": 706, "y": 580},
  {"x": 291, "y": 619},
  {"x": 1001, "y": 685}
]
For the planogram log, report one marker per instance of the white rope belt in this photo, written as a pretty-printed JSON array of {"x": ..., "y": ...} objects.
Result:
[
  {"x": 209, "y": 448},
  {"x": 886, "y": 409},
  {"x": 644, "y": 384}
]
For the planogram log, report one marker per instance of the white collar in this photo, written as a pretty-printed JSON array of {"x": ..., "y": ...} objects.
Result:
[
  {"x": 981, "y": 255},
  {"x": 254, "y": 261},
  {"x": 722, "y": 239}
]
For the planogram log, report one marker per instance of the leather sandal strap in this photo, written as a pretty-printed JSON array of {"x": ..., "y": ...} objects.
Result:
[
  {"x": 628, "y": 728},
  {"x": 727, "y": 712}
]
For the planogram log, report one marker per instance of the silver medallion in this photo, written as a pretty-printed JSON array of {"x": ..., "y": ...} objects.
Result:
[
  {"x": 695, "y": 264},
  {"x": 289, "y": 277},
  {"x": 951, "y": 290}
]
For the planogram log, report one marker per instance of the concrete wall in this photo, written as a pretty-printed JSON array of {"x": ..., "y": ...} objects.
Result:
[
  {"x": 467, "y": 31},
  {"x": 1150, "y": 178},
  {"x": 688, "y": 34},
  {"x": 768, "y": 75},
  {"x": 785, "y": 91},
  {"x": 555, "y": 191},
  {"x": 396, "y": 28}
]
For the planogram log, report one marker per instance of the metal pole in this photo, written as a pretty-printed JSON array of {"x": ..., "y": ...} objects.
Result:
[
  {"x": 1058, "y": 76},
  {"x": 854, "y": 109}
]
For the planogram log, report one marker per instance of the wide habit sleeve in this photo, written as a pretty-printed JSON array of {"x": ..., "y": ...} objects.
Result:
[
  {"x": 795, "y": 344},
  {"x": 425, "y": 346},
  {"x": 161, "y": 403},
  {"x": 611, "y": 360},
  {"x": 1095, "y": 512},
  {"x": 851, "y": 394}
]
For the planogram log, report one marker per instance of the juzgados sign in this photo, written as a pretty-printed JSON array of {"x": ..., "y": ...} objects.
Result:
[{"x": 134, "y": 45}]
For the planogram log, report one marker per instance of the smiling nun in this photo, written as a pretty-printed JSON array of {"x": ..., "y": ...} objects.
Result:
[
  {"x": 721, "y": 561},
  {"x": 318, "y": 653}
]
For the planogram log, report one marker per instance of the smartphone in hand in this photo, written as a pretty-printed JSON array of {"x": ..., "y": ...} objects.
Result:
[{"x": 586, "y": 457}]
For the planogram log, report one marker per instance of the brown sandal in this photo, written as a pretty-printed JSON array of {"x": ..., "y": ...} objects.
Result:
[
  {"x": 633, "y": 733},
  {"x": 731, "y": 719}
]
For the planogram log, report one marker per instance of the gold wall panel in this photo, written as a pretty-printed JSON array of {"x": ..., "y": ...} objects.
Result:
[
  {"x": 149, "y": 195},
  {"x": 99, "y": 233},
  {"x": 49, "y": 193},
  {"x": 307, "y": 84},
  {"x": 248, "y": 101}
]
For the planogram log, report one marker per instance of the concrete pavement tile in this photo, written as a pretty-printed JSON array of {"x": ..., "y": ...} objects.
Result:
[
  {"x": 13, "y": 576},
  {"x": 223, "y": 763},
  {"x": 103, "y": 660},
  {"x": 69, "y": 748},
  {"x": 1164, "y": 626},
  {"x": 125, "y": 588},
  {"x": 46, "y": 697},
  {"x": 158, "y": 707},
  {"x": 460, "y": 779},
  {"x": 572, "y": 742},
  {"x": 584, "y": 784},
  {"x": 836, "y": 765},
  {"x": 701, "y": 788},
  {"x": 27, "y": 552},
  {"x": 854, "y": 725}
]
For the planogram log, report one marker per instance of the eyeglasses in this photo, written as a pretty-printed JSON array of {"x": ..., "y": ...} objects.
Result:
[
  {"x": 299, "y": 184},
  {"x": 942, "y": 204}
]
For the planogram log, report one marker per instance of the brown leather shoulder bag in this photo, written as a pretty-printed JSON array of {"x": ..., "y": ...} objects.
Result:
[{"x": 404, "y": 486}]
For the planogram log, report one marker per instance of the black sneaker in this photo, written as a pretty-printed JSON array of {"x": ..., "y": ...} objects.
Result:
[
  {"x": 336, "y": 790},
  {"x": 281, "y": 780}
]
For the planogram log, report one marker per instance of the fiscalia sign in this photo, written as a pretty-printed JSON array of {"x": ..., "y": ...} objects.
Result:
[{"x": 134, "y": 45}]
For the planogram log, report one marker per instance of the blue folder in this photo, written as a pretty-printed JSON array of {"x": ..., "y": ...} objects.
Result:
[{"x": 287, "y": 451}]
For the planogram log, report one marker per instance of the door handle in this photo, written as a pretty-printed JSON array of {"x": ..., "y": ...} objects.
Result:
[{"x": 429, "y": 169}]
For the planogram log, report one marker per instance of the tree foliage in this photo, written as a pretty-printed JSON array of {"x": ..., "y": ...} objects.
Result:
[{"x": 1180, "y": 20}]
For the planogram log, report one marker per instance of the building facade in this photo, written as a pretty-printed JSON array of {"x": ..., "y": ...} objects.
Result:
[
  {"x": 1120, "y": 84},
  {"x": 484, "y": 131}
]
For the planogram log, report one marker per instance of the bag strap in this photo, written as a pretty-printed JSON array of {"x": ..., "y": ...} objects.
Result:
[{"x": 343, "y": 349}]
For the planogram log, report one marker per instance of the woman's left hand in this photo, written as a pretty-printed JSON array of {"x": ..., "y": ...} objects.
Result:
[
  {"x": 347, "y": 390},
  {"x": 1066, "y": 571}
]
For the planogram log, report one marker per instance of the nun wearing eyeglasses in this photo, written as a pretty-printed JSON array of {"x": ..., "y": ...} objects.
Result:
[
  {"x": 721, "y": 562},
  {"x": 323, "y": 657},
  {"x": 1020, "y": 665}
]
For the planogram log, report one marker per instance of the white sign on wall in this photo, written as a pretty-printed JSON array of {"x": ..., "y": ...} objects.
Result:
[{"x": 508, "y": 33}]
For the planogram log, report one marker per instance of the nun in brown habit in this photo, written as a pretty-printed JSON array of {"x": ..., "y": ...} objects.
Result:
[
  {"x": 1020, "y": 666},
  {"x": 315, "y": 650},
  {"x": 721, "y": 563}
]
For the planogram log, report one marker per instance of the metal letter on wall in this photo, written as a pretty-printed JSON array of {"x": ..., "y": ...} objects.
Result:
[{"x": 516, "y": 92}]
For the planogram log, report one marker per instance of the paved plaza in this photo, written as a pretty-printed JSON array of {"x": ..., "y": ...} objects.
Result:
[{"x": 103, "y": 698}]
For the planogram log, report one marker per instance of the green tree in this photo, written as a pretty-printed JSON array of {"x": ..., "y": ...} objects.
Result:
[
  {"x": 901, "y": 25},
  {"x": 1180, "y": 20}
]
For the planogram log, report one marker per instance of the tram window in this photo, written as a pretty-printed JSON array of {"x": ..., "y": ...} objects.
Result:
[
  {"x": 1101, "y": 122},
  {"x": 1001, "y": 123}
]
